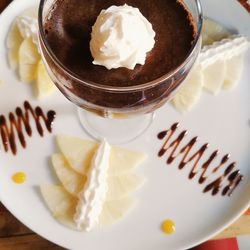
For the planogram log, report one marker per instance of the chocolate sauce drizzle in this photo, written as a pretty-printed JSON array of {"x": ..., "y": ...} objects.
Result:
[
  {"x": 19, "y": 123},
  {"x": 230, "y": 174}
]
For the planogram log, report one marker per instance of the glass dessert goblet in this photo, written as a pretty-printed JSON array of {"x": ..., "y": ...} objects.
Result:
[{"x": 118, "y": 113}]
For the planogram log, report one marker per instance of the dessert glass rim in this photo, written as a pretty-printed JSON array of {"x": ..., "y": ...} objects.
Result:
[{"x": 138, "y": 87}]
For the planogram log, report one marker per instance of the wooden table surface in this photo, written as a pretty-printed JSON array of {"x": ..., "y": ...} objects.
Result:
[{"x": 13, "y": 234}]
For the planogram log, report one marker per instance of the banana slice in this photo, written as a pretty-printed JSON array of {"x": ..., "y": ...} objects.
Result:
[
  {"x": 234, "y": 69},
  {"x": 14, "y": 38},
  {"x": 28, "y": 58},
  {"x": 73, "y": 182},
  {"x": 31, "y": 12},
  {"x": 114, "y": 211},
  {"x": 123, "y": 160},
  {"x": 214, "y": 76},
  {"x": 212, "y": 31},
  {"x": 14, "y": 41},
  {"x": 44, "y": 85},
  {"x": 62, "y": 206},
  {"x": 59, "y": 201},
  {"x": 190, "y": 92},
  {"x": 79, "y": 153},
  {"x": 123, "y": 185}
]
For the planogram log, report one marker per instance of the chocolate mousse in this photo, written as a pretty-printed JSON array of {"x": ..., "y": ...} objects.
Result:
[
  {"x": 69, "y": 33},
  {"x": 68, "y": 29}
]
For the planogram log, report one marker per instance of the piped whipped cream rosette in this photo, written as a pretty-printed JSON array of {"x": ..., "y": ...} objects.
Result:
[
  {"x": 219, "y": 66},
  {"x": 97, "y": 181},
  {"x": 23, "y": 53}
]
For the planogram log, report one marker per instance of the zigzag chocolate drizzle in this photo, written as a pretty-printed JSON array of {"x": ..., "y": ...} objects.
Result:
[
  {"x": 230, "y": 174},
  {"x": 19, "y": 123}
]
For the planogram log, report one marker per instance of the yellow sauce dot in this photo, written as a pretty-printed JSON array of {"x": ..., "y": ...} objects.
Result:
[
  {"x": 168, "y": 227},
  {"x": 19, "y": 177}
]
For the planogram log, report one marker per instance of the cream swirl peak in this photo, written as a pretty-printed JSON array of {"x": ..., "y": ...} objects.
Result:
[{"x": 121, "y": 37}]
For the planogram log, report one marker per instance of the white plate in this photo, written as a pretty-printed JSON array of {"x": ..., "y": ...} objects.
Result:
[{"x": 223, "y": 121}]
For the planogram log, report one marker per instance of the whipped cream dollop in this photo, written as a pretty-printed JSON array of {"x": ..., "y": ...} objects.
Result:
[
  {"x": 92, "y": 197},
  {"x": 28, "y": 27},
  {"x": 121, "y": 37}
]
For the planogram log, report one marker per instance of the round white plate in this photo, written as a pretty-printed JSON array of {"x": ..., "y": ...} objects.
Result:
[{"x": 223, "y": 121}]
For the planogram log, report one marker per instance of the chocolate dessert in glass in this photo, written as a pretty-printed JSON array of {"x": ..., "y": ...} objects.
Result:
[{"x": 101, "y": 56}]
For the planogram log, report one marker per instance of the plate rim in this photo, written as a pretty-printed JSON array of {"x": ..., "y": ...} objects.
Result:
[{"x": 237, "y": 214}]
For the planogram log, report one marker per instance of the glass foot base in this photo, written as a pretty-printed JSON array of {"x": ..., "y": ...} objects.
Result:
[{"x": 116, "y": 131}]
